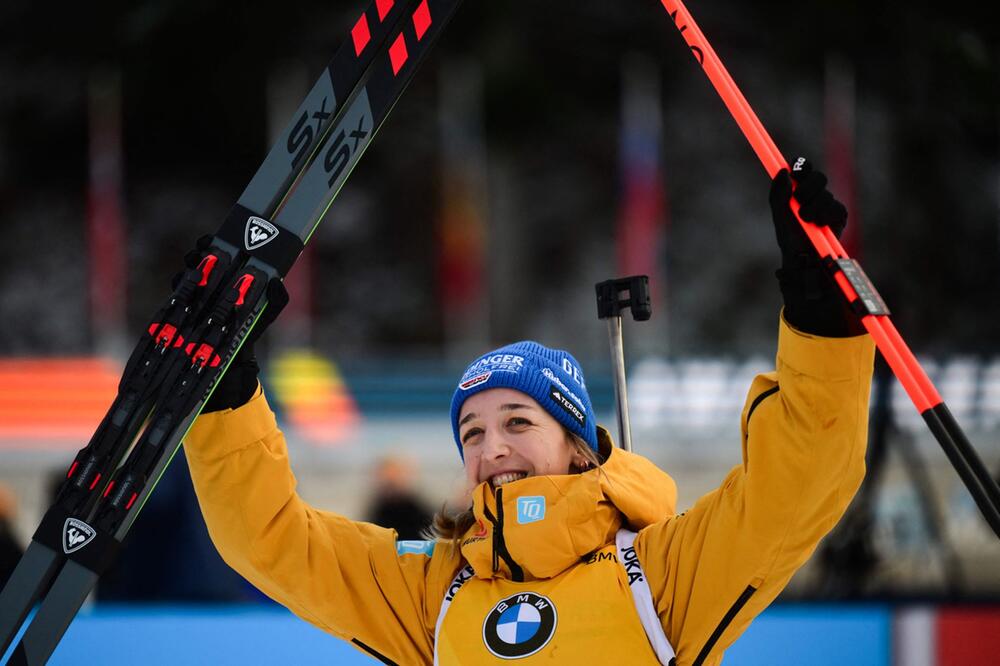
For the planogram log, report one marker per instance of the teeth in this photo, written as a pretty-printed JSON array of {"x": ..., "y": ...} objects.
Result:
[{"x": 506, "y": 477}]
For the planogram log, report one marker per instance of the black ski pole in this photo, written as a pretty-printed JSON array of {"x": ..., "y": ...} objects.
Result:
[{"x": 614, "y": 296}]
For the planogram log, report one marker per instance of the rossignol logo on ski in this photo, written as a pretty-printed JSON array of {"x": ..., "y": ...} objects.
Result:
[
  {"x": 76, "y": 535},
  {"x": 259, "y": 233}
]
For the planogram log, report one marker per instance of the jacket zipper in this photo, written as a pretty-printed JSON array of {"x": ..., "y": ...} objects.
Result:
[
  {"x": 496, "y": 554},
  {"x": 499, "y": 546},
  {"x": 726, "y": 621}
]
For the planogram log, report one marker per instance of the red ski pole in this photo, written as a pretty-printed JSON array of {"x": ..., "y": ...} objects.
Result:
[{"x": 855, "y": 285}]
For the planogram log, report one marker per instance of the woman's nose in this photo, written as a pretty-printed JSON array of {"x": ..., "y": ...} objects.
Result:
[{"x": 495, "y": 446}]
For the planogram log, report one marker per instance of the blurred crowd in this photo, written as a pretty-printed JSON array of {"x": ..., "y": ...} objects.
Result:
[
  {"x": 516, "y": 129},
  {"x": 168, "y": 555}
]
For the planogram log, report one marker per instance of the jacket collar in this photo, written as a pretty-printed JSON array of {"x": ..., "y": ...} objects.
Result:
[{"x": 540, "y": 526}]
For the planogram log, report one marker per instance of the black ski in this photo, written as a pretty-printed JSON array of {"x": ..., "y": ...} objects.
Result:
[{"x": 191, "y": 340}]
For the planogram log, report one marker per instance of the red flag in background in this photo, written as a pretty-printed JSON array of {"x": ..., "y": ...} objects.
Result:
[
  {"x": 642, "y": 211},
  {"x": 838, "y": 138},
  {"x": 462, "y": 279},
  {"x": 105, "y": 216},
  {"x": 461, "y": 251},
  {"x": 296, "y": 321}
]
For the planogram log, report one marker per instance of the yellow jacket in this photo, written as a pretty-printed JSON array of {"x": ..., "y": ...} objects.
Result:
[{"x": 711, "y": 569}]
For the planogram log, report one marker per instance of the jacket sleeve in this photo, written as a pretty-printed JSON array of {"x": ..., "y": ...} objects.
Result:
[
  {"x": 804, "y": 430},
  {"x": 345, "y": 577}
]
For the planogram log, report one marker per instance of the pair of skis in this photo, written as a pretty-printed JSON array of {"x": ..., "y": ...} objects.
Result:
[{"x": 192, "y": 338}]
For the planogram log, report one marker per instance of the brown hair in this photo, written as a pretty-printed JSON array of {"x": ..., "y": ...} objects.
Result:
[{"x": 451, "y": 525}]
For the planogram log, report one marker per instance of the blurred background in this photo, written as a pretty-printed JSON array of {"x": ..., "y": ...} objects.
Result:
[{"x": 542, "y": 148}]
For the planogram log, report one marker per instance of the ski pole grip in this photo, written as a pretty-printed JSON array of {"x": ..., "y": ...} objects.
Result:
[{"x": 628, "y": 293}]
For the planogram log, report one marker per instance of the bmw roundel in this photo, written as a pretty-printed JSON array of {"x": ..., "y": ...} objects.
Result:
[{"x": 520, "y": 625}]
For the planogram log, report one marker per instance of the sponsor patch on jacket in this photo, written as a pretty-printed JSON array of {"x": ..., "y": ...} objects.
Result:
[
  {"x": 520, "y": 625},
  {"x": 415, "y": 548},
  {"x": 464, "y": 575},
  {"x": 632, "y": 566},
  {"x": 567, "y": 405},
  {"x": 530, "y": 509},
  {"x": 480, "y": 534}
]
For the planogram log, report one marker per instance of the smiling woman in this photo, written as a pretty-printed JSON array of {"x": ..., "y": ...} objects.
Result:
[
  {"x": 532, "y": 406},
  {"x": 505, "y": 436},
  {"x": 568, "y": 549}
]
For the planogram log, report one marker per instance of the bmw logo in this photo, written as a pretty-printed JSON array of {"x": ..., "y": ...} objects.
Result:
[{"x": 519, "y": 626}]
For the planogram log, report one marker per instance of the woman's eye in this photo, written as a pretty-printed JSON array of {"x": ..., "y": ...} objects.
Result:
[
  {"x": 518, "y": 421},
  {"x": 470, "y": 433}
]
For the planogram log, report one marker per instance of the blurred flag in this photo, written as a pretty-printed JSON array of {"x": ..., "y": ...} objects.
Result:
[
  {"x": 312, "y": 397},
  {"x": 296, "y": 320},
  {"x": 462, "y": 266},
  {"x": 642, "y": 212},
  {"x": 642, "y": 216},
  {"x": 105, "y": 217},
  {"x": 54, "y": 403},
  {"x": 838, "y": 137}
]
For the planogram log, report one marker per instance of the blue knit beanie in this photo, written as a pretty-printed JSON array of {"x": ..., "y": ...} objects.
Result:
[{"x": 551, "y": 376}]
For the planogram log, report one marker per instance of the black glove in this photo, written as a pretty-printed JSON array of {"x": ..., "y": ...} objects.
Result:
[
  {"x": 239, "y": 383},
  {"x": 813, "y": 302}
]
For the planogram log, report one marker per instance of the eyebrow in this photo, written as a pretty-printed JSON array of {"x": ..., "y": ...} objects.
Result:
[{"x": 508, "y": 407}]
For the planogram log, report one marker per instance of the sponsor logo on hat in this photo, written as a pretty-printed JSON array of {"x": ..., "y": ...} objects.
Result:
[
  {"x": 567, "y": 404},
  {"x": 551, "y": 376},
  {"x": 497, "y": 362},
  {"x": 573, "y": 372},
  {"x": 519, "y": 626},
  {"x": 474, "y": 381}
]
